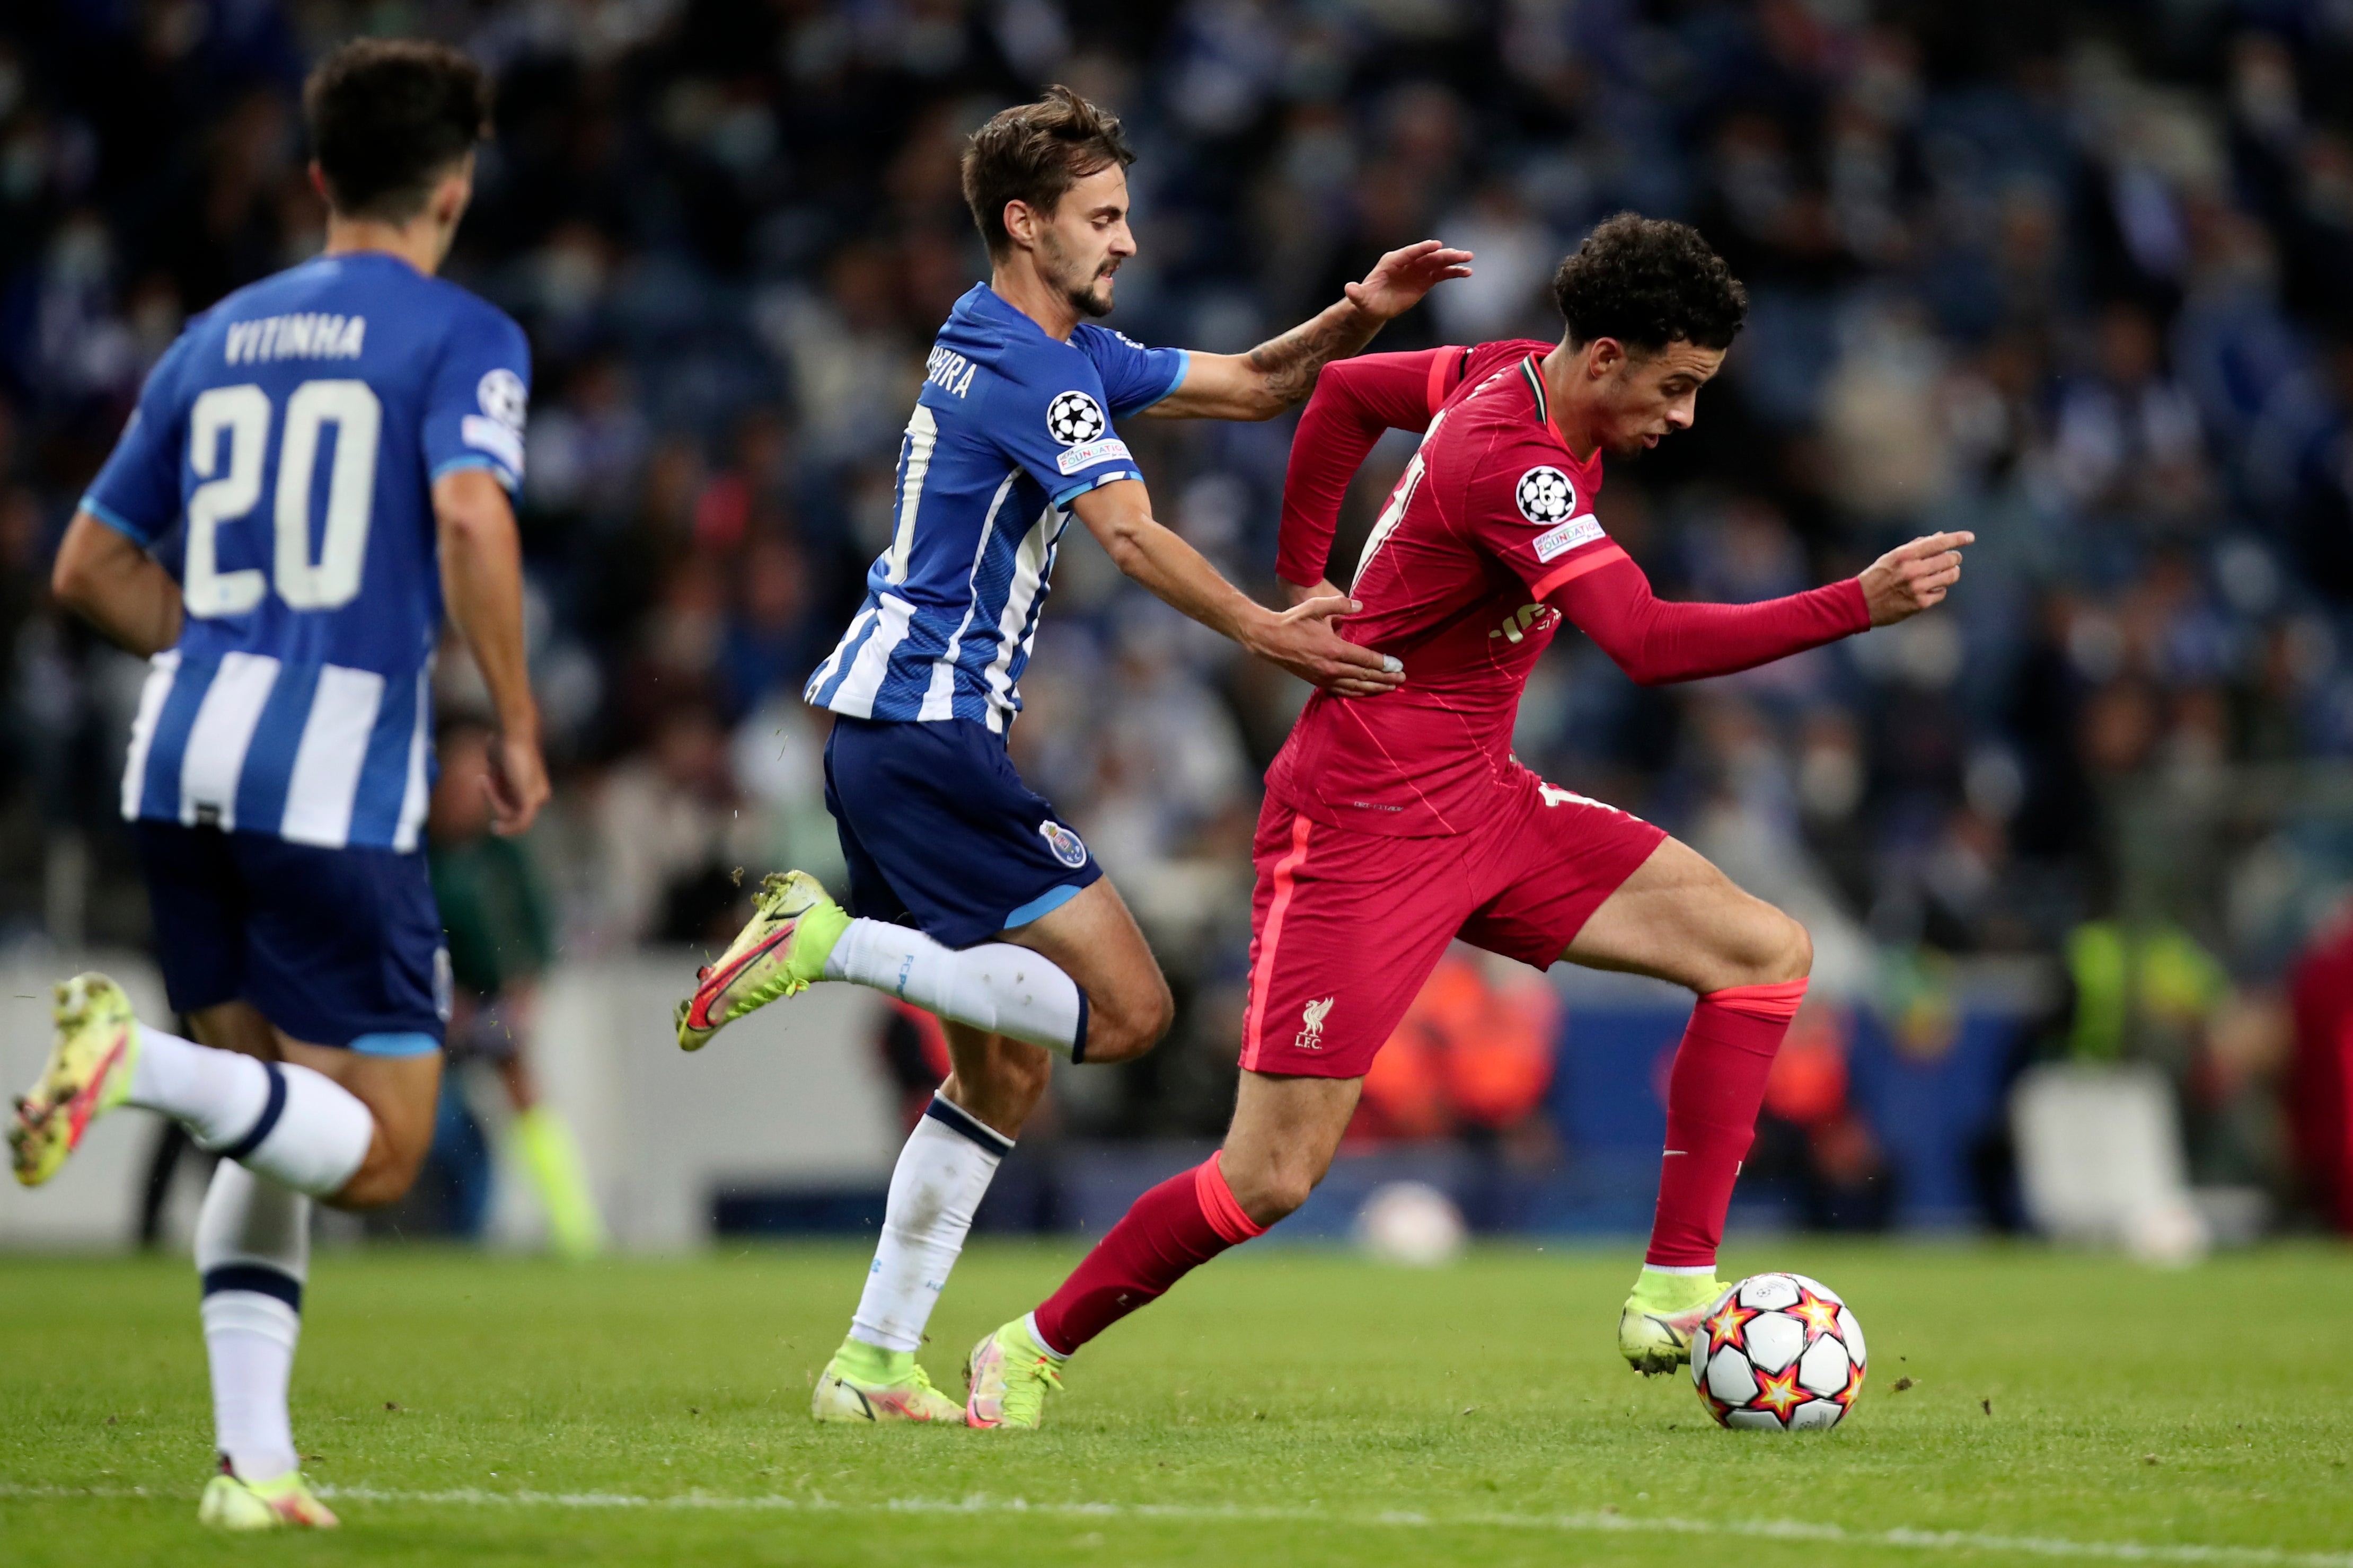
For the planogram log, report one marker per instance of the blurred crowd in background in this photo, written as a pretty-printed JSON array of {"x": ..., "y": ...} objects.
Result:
[{"x": 2077, "y": 277}]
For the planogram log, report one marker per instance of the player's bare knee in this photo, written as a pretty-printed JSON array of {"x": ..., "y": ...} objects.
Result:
[
  {"x": 1269, "y": 1192},
  {"x": 1797, "y": 956},
  {"x": 1771, "y": 949},
  {"x": 1127, "y": 1027},
  {"x": 384, "y": 1177}
]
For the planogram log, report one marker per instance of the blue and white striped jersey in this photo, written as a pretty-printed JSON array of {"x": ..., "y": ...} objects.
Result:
[
  {"x": 1011, "y": 425},
  {"x": 295, "y": 430}
]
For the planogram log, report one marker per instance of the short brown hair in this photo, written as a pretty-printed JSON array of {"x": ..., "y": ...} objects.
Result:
[
  {"x": 1034, "y": 152},
  {"x": 387, "y": 117}
]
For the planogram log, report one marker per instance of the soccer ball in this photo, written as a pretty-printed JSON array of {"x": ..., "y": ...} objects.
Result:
[
  {"x": 1778, "y": 1352},
  {"x": 1411, "y": 1223}
]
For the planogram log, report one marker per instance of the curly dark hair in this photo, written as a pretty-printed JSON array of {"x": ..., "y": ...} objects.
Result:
[
  {"x": 1033, "y": 152},
  {"x": 1649, "y": 282}
]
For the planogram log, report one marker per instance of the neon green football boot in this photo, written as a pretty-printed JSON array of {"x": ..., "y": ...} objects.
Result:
[
  {"x": 232, "y": 1503},
  {"x": 863, "y": 1384},
  {"x": 1655, "y": 1326},
  {"x": 1008, "y": 1375},
  {"x": 88, "y": 1074},
  {"x": 781, "y": 952}
]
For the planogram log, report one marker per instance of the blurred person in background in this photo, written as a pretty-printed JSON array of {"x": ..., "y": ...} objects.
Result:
[
  {"x": 1472, "y": 1056},
  {"x": 500, "y": 932},
  {"x": 2320, "y": 1098},
  {"x": 948, "y": 849}
]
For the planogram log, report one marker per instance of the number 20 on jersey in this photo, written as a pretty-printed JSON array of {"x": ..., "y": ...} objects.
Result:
[{"x": 228, "y": 437}]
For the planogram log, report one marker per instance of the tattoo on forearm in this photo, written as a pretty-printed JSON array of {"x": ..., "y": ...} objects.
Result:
[{"x": 1291, "y": 361}]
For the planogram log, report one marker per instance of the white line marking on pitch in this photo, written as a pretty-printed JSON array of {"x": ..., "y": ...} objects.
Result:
[{"x": 1567, "y": 1523}]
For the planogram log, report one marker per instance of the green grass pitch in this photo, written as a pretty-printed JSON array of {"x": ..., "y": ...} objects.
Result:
[{"x": 1289, "y": 1406}]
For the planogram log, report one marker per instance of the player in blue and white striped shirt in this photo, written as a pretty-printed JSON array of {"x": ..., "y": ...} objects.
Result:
[
  {"x": 335, "y": 446},
  {"x": 975, "y": 900}
]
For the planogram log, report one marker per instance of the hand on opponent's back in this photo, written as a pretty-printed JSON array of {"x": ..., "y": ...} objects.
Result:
[
  {"x": 1911, "y": 577},
  {"x": 1302, "y": 640}
]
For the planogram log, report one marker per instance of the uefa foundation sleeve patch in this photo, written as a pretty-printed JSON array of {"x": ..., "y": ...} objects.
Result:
[{"x": 1560, "y": 541}]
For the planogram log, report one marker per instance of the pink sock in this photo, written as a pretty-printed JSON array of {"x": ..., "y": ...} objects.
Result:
[
  {"x": 1170, "y": 1231},
  {"x": 1713, "y": 1097}
]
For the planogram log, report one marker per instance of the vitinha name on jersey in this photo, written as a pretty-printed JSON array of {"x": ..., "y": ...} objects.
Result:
[
  {"x": 949, "y": 370},
  {"x": 311, "y": 335}
]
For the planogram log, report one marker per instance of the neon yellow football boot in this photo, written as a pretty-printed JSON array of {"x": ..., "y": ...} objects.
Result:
[
  {"x": 232, "y": 1503},
  {"x": 781, "y": 952},
  {"x": 88, "y": 1074},
  {"x": 1008, "y": 1375},
  {"x": 864, "y": 1385},
  {"x": 1655, "y": 1326}
]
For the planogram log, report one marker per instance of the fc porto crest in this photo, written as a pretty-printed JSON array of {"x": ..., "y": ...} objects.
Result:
[{"x": 1067, "y": 846}]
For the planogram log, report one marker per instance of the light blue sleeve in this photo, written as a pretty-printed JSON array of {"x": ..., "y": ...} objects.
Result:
[
  {"x": 1050, "y": 416},
  {"x": 137, "y": 493},
  {"x": 479, "y": 399}
]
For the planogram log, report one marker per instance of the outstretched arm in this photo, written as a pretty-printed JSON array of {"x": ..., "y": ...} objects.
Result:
[
  {"x": 1302, "y": 639},
  {"x": 1356, "y": 401},
  {"x": 1654, "y": 641},
  {"x": 1277, "y": 374}
]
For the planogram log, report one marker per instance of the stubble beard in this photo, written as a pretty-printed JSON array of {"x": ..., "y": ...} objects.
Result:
[{"x": 1091, "y": 297}]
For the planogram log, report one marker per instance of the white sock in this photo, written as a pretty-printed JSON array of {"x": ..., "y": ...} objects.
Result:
[
  {"x": 996, "y": 986},
  {"x": 942, "y": 1172},
  {"x": 288, "y": 1122},
  {"x": 215, "y": 1095},
  {"x": 253, "y": 1253},
  {"x": 1029, "y": 1321}
]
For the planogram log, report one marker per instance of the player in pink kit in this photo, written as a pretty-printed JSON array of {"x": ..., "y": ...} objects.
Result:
[{"x": 1394, "y": 824}]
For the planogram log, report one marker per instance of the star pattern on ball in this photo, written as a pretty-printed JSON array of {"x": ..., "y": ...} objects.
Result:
[
  {"x": 1779, "y": 1392},
  {"x": 1819, "y": 1315},
  {"x": 1074, "y": 418},
  {"x": 1854, "y": 1390},
  {"x": 1724, "y": 1327}
]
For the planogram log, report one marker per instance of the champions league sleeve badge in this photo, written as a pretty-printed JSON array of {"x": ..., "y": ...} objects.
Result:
[
  {"x": 1074, "y": 418},
  {"x": 1545, "y": 495}
]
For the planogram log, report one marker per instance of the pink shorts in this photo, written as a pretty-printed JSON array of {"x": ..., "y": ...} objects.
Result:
[{"x": 1346, "y": 926}]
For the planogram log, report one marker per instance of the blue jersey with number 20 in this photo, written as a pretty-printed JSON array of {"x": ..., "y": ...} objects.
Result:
[{"x": 294, "y": 432}]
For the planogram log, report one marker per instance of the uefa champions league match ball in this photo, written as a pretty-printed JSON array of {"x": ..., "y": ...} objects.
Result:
[{"x": 1778, "y": 1352}]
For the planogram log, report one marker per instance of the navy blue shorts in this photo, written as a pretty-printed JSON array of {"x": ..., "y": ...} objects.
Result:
[
  {"x": 336, "y": 947},
  {"x": 942, "y": 834}
]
